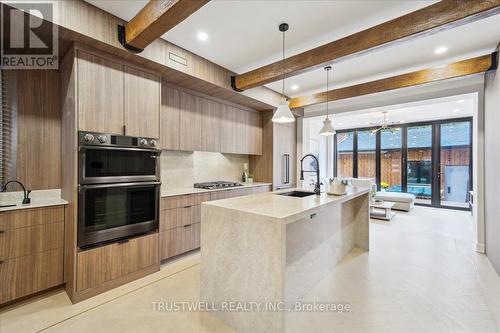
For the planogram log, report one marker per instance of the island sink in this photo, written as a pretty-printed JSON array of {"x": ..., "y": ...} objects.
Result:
[
  {"x": 298, "y": 194},
  {"x": 272, "y": 249}
]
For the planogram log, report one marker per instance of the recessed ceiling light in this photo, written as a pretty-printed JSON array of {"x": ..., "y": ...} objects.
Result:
[
  {"x": 456, "y": 110},
  {"x": 460, "y": 101},
  {"x": 295, "y": 87},
  {"x": 440, "y": 50},
  {"x": 202, "y": 36},
  {"x": 401, "y": 121}
]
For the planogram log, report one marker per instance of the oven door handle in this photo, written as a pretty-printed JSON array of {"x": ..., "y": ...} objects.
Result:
[
  {"x": 119, "y": 148},
  {"x": 135, "y": 184}
]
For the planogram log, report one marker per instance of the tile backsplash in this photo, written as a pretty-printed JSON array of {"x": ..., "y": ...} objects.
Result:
[{"x": 180, "y": 169}]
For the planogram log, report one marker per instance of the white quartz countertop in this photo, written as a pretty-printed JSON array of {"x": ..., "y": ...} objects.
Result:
[
  {"x": 192, "y": 190},
  {"x": 285, "y": 207},
  {"x": 40, "y": 198}
]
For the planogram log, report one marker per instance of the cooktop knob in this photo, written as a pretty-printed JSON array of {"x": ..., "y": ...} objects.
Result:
[
  {"x": 101, "y": 138},
  {"x": 88, "y": 137},
  {"x": 153, "y": 143},
  {"x": 143, "y": 142}
]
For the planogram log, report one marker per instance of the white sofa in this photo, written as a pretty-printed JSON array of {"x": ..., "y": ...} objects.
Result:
[{"x": 402, "y": 201}]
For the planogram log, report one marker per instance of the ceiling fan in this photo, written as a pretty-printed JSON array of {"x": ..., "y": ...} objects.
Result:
[{"x": 386, "y": 125}]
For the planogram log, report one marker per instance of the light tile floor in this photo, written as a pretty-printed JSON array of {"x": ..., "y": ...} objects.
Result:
[{"x": 420, "y": 275}]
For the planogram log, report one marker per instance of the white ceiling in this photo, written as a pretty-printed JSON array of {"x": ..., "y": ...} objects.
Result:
[
  {"x": 243, "y": 35},
  {"x": 441, "y": 108}
]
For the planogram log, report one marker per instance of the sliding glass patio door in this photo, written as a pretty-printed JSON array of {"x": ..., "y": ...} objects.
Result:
[
  {"x": 432, "y": 160},
  {"x": 455, "y": 167},
  {"x": 419, "y": 165}
]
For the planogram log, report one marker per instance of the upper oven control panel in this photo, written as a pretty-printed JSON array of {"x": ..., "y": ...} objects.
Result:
[{"x": 102, "y": 139}]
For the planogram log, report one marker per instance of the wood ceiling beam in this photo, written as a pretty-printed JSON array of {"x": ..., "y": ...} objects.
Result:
[
  {"x": 440, "y": 16},
  {"x": 156, "y": 18},
  {"x": 457, "y": 69}
]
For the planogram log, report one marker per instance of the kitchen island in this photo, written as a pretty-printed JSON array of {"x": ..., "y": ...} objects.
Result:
[{"x": 266, "y": 251}]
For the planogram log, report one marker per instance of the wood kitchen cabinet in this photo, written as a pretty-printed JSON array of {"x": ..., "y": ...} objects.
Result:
[
  {"x": 249, "y": 132},
  {"x": 113, "y": 97},
  {"x": 228, "y": 129},
  {"x": 31, "y": 251},
  {"x": 211, "y": 112},
  {"x": 110, "y": 263},
  {"x": 190, "y": 122},
  {"x": 142, "y": 103},
  {"x": 100, "y": 94},
  {"x": 197, "y": 123},
  {"x": 180, "y": 218},
  {"x": 170, "y": 117}
]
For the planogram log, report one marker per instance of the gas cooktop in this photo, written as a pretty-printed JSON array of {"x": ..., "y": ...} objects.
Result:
[{"x": 216, "y": 185}]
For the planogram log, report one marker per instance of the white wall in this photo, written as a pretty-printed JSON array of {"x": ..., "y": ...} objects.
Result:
[{"x": 492, "y": 163}]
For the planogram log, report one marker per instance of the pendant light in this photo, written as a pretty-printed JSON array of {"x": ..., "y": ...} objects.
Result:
[
  {"x": 283, "y": 113},
  {"x": 327, "y": 128}
]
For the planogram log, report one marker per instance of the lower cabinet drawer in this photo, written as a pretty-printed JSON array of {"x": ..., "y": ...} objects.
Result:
[
  {"x": 25, "y": 241},
  {"x": 29, "y": 274},
  {"x": 178, "y": 217},
  {"x": 179, "y": 240},
  {"x": 109, "y": 262}
]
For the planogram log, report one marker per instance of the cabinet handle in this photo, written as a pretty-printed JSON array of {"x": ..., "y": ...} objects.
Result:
[
  {"x": 188, "y": 206},
  {"x": 2, "y": 231},
  {"x": 187, "y": 225},
  {"x": 124, "y": 129},
  {"x": 1, "y": 262},
  {"x": 287, "y": 168}
]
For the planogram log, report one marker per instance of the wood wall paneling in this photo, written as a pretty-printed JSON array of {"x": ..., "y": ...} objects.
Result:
[
  {"x": 36, "y": 105},
  {"x": 101, "y": 101},
  {"x": 262, "y": 165},
  {"x": 142, "y": 103},
  {"x": 69, "y": 167},
  {"x": 170, "y": 118}
]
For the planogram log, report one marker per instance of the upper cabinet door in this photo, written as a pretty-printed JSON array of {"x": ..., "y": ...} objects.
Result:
[
  {"x": 100, "y": 85},
  {"x": 189, "y": 122},
  {"x": 170, "y": 117},
  {"x": 243, "y": 132},
  {"x": 210, "y": 125},
  {"x": 229, "y": 129},
  {"x": 255, "y": 133},
  {"x": 142, "y": 103}
]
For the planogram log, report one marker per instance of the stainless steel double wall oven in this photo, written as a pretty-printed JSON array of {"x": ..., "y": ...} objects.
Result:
[{"x": 119, "y": 187}]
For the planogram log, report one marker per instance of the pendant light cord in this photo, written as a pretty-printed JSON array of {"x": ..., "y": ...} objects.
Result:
[
  {"x": 327, "y": 87},
  {"x": 283, "y": 67}
]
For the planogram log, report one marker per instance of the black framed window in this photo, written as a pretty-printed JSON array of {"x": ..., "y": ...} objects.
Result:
[{"x": 432, "y": 160}]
